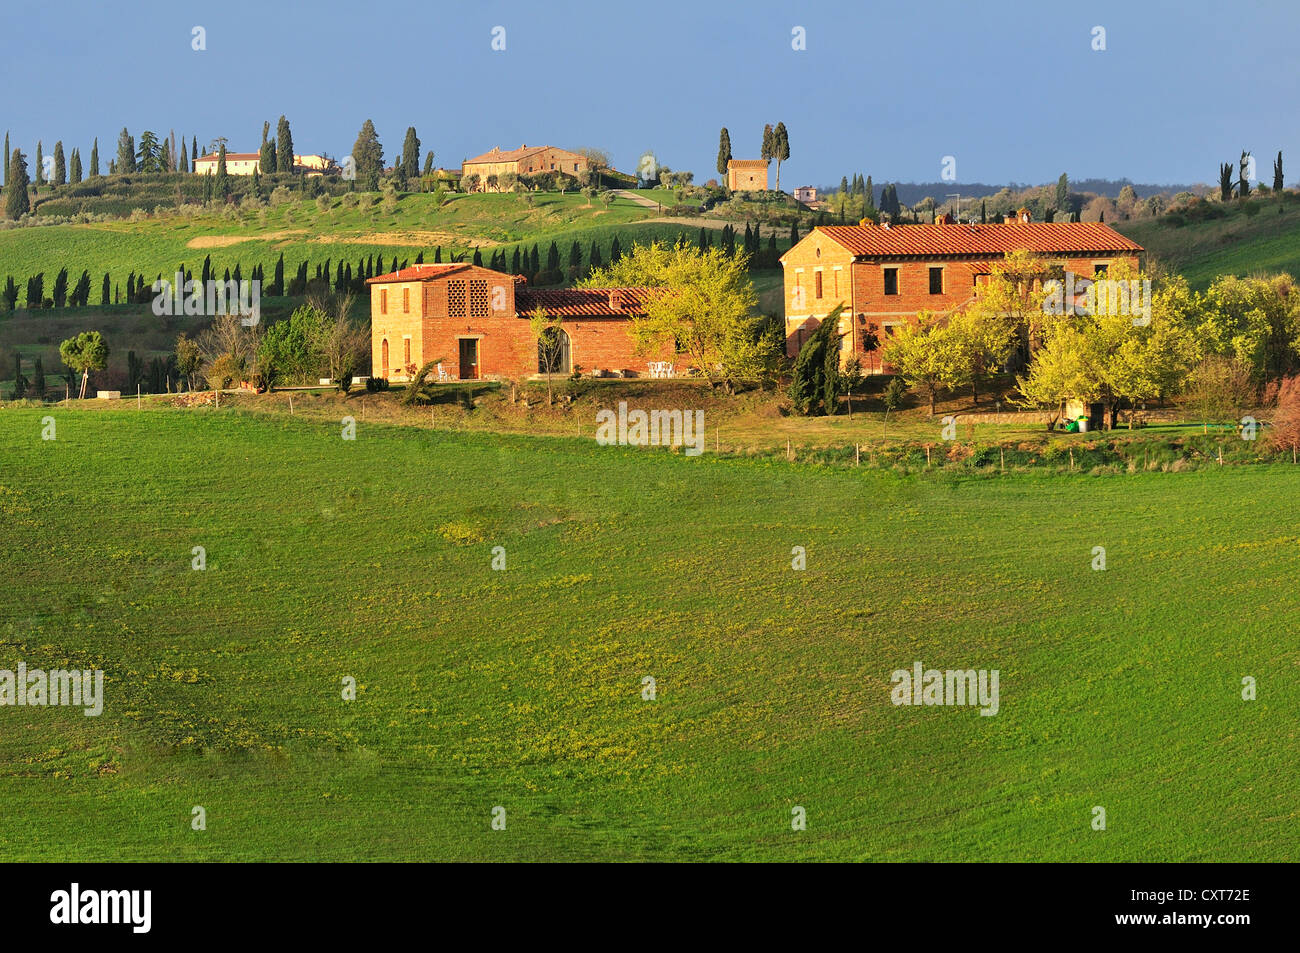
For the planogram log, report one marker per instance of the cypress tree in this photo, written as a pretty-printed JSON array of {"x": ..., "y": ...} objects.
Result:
[
  {"x": 60, "y": 165},
  {"x": 38, "y": 378},
  {"x": 223, "y": 181},
  {"x": 20, "y": 383},
  {"x": 17, "y": 204},
  {"x": 514, "y": 262},
  {"x": 94, "y": 157},
  {"x": 595, "y": 255},
  {"x": 534, "y": 261},
  {"x": 794, "y": 234},
  {"x": 183, "y": 160},
  {"x": 411, "y": 154},
  {"x": 74, "y": 173},
  {"x": 615, "y": 252},
  {"x": 60, "y": 292},
  {"x": 279, "y": 276},
  {"x": 194, "y": 152},
  {"x": 724, "y": 151},
  {"x": 437, "y": 254},
  {"x": 5, "y": 171},
  {"x": 105, "y": 290},
  {"x": 40, "y": 166},
  {"x": 575, "y": 255},
  {"x": 283, "y": 146},
  {"x": 419, "y": 259},
  {"x": 553, "y": 258}
]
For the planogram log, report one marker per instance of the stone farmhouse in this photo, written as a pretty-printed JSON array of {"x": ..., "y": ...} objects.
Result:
[
  {"x": 884, "y": 275},
  {"x": 243, "y": 163},
  {"x": 475, "y": 320},
  {"x": 747, "y": 175},
  {"x": 490, "y": 166}
]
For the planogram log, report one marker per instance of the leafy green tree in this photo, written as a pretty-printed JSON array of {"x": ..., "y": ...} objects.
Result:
[
  {"x": 17, "y": 203},
  {"x": 189, "y": 358},
  {"x": 701, "y": 306},
  {"x": 84, "y": 353},
  {"x": 926, "y": 355},
  {"x": 283, "y": 146},
  {"x": 781, "y": 149}
]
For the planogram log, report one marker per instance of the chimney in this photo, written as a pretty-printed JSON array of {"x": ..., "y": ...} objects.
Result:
[
  {"x": 615, "y": 299},
  {"x": 944, "y": 219}
]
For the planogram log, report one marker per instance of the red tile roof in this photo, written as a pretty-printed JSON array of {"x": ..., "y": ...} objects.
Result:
[
  {"x": 214, "y": 156},
  {"x": 512, "y": 155},
  {"x": 582, "y": 302},
  {"x": 418, "y": 273},
  {"x": 944, "y": 241},
  {"x": 747, "y": 163}
]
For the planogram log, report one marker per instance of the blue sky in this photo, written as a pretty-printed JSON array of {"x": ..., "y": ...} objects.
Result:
[{"x": 1013, "y": 91}]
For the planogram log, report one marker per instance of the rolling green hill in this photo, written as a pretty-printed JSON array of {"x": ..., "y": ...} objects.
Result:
[
  {"x": 301, "y": 231},
  {"x": 1261, "y": 235},
  {"x": 523, "y": 689}
]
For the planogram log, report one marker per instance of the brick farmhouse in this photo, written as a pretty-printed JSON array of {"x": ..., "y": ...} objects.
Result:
[
  {"x": 884, "y": 275},
  {"x": 490, "y": 166},
  {"x": 475, "y": 320}
]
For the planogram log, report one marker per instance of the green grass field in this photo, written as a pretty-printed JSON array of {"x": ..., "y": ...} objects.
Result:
[
  {"x": 522, "y": 688},
  {"x": 1263, "y": 242}
]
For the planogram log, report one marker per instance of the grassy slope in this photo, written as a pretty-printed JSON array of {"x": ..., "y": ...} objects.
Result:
[
  {"x": 1238, "y": 244},
  {"x": 329, "y": 558},
  {"x": 300, "y": 230}
]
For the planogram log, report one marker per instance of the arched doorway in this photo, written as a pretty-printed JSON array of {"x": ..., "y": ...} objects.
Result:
[{"x": 554, "y": 352}]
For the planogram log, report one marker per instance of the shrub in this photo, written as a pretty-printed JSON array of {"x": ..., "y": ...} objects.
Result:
[
  {"x": 1285, "y": 433},
  {"x": 376, "y": 384}
]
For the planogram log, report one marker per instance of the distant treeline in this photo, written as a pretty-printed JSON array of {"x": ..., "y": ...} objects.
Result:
[{"x": 539, "y": 265}]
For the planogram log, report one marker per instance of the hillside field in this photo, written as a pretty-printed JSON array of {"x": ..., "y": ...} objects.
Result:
[{"x": 522, "y": 689}]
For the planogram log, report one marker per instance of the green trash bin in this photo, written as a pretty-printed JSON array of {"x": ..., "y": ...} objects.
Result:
[{"x": 1071, "y": 426}]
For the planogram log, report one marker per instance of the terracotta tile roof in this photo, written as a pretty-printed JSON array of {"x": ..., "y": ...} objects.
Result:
[
  {"x": 214, "y": 156},
  {"x": 902, "y": 241},
  {"x": 747, "y": 163},
  {"x": 511, "y": 155},
  {"x": 582, "y": 302},
  {"x": 418, "y": 273}
]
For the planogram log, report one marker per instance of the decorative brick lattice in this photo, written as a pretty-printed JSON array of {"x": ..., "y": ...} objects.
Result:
[
  {"x": 456, "y": 299},
  {"x": 478, "y": 298}
]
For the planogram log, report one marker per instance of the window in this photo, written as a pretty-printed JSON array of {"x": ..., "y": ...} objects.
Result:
[
  {"x": 456, "y": 299},
  {"x": 383, "y": 301},
  {"x": 575, "y": 167},
  {"x": 406, "y": 301},
  {"x": 891, "y": 281},
  {"x": 818, "y": 280},
  {"x": 384, "y": 350},
  {"x": 936, "y": 281},
  {"x": 1099, "y": 271},
  {"x": 478, "y": 298},
  {"x": 406, "y": 352}
]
